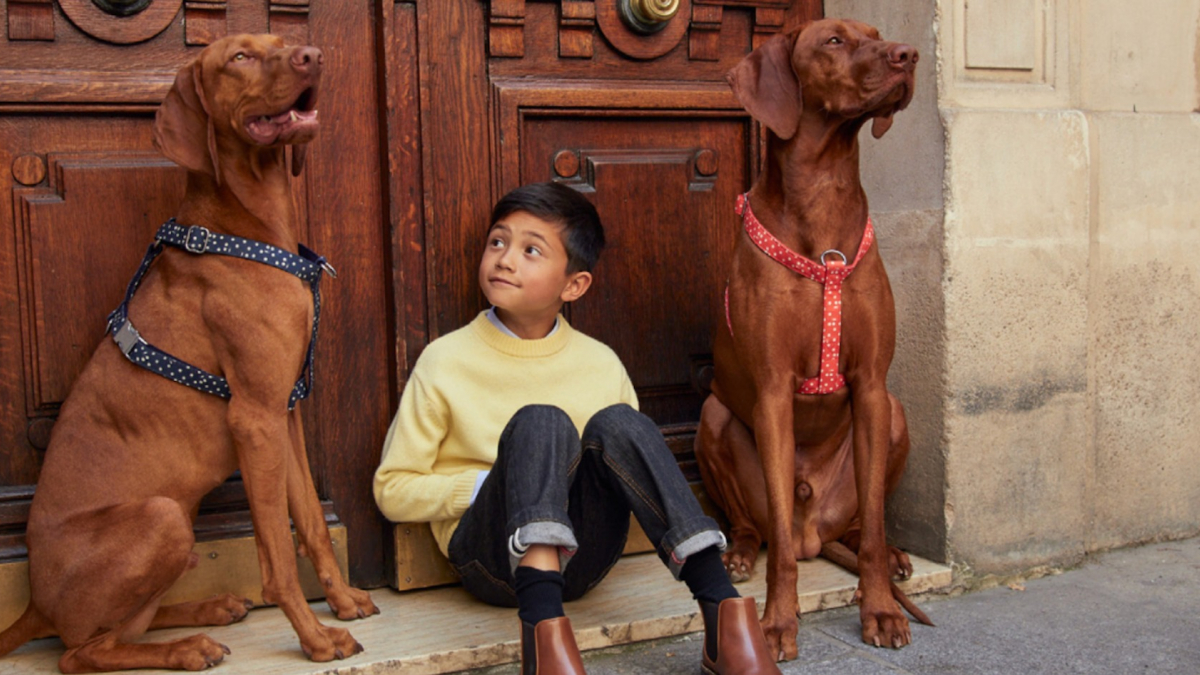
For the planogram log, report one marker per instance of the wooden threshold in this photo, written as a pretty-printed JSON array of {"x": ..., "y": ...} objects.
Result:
[
  {"x": 224, "y": 566},
  {"x": 445, "y": 630}
]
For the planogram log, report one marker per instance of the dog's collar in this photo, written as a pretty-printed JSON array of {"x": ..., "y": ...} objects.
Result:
[
  {"x": 830, "y": 273},
  {"x": 307, "y": 266},
  {"x": 196, "y": 239}
]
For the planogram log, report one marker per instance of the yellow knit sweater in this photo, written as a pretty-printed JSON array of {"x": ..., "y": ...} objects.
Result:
[{"x": 464, "y": 389}]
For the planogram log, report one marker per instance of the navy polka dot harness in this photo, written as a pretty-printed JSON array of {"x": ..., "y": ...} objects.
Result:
[{"x": 308, "y": 266}]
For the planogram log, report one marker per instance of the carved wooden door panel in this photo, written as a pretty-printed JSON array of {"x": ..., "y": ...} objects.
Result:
[{"x": 84, "y": 190}]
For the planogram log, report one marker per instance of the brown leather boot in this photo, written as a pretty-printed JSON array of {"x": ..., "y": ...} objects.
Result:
[
  {"x": 733, "y": 639},
  {"x": 549, "y": 649}
]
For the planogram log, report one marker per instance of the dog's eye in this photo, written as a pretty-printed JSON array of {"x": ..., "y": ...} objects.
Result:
[
  {"x": 835, "y": 40},
  {"x": 240, "y": 56}
]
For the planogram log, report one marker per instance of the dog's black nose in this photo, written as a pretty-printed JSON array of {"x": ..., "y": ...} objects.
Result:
[{"x": 308, "y": 60}]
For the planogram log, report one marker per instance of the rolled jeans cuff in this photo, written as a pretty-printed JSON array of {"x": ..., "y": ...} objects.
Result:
[
  {"x": 546, "y": 533},
  {"x": 678, "y": 555}
]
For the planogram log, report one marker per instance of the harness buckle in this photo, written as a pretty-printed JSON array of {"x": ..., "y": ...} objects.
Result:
[
  {"x": 328, "y": 268},
  {"x": 127, "y": 337},
  {"x": 190, "y": 245}
]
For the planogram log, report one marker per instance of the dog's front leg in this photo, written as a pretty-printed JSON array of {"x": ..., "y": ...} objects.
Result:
[
  {"x": 883, "y": 623},
  {"x": 777, "y": 449},
  {"x": 304, "y": 505},
  {"x": 260, "y": 435}
]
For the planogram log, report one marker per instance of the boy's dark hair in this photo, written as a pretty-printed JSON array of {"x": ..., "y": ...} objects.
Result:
[{"x": 583, "y": 234}]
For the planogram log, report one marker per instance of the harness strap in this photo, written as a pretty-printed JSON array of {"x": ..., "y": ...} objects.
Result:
[
  {"x": 307, "y": 266},
  {"x": 829, "y": 273}
]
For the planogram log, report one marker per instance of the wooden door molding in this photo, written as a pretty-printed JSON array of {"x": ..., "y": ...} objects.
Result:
[
  {"x": 513, "y": 99},
  {"x": 76, "y": 246}
]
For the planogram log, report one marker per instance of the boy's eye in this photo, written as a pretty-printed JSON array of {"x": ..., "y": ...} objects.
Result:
[
  {"x": 533, "y": 250},
  {"x": 496, "y": 242}
]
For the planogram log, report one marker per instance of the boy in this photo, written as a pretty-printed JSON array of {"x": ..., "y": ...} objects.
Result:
[{"x": 486, "y": 446}]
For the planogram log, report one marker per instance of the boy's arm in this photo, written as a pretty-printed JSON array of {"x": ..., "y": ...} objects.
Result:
[
  {"x": 406, "y": 488},
  {"x": 628, "y": 394}
]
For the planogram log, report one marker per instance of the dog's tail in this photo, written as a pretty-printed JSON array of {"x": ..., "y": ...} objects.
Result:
[
  {"x": 31, "y": 625},
  {"x": 838, "y": 553}
]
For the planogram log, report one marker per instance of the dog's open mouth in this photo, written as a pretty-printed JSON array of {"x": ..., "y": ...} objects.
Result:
[{"x": 296, "y": 124}]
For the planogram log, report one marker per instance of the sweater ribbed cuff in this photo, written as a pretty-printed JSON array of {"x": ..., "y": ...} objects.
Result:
[{"x": 460, "y": 493}]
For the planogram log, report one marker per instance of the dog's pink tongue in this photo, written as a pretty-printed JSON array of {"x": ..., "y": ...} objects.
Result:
[{"x": 263, "y": 130}]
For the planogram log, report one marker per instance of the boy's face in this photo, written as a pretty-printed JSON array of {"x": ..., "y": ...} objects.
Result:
[{"x": 524, "y": 269}]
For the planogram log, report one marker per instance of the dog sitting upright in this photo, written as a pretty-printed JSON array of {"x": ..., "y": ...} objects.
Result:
[
  {"x": 206, "y": 384},
  {"x": 800, "y": 440}
]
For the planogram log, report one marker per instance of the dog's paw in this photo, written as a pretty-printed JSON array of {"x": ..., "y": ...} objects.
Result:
[
  {"x": 351, "y": 604},
  {"x": 899, "y": 563},
  {"x": 780, "y": 634},
  {"x": 739, "y": 564},
  {"x": 225, "y": 609},
  {"x": 885, "y": 625},
  {"x": 331, "y": 643},
  {"x": 198, "y": 652}
]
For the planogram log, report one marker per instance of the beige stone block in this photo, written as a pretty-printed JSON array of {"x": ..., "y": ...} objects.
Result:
[
  {"x": 1016, "y": 327},
  {"x": 1139, "y": 58},
  {"x": 1017, "y": 478},
  {"x": 1016, "y": 420},
  {"x": 1145, "y": 326},
  {"x": 1147, "y": 170},
  {"x": 1014, "y": 54},
  {"x": 1016, "y": 178},
  {"x": 1017, "y": 248},
  {"x": 1146, "y": 334},
  {"x": 1002, "y": 35}
]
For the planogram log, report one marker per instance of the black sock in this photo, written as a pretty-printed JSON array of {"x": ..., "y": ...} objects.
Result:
[
  {"x": 705, "y": 576},
  {"x": 539, "y": 594}
]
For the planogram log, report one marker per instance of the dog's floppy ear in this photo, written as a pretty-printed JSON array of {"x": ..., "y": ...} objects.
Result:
[
  {"x": 766, "y": 85},
  {"x": 183, "y": 129},
  {"x": 881, "y": 124}
]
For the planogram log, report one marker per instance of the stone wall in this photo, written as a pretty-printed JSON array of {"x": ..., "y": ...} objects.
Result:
[
  {"x": 1037, "y": 207},
  {"x": 902, "y": 175}
]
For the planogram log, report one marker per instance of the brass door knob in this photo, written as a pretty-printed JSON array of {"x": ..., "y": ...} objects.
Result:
[{"x": 647, "y": 16}]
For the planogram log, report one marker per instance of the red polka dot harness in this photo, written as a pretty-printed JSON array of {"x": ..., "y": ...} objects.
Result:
[{"x": 829, "y": 273}]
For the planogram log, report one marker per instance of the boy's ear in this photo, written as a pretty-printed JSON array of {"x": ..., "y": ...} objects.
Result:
[{"x": 577, "y": 285}]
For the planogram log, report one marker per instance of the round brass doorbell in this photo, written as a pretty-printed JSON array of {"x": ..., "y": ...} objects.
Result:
[{"x": 647, "y": 16}]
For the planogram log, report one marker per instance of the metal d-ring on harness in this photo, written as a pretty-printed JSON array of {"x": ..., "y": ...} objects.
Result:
[{"x": 308, "y": 266}]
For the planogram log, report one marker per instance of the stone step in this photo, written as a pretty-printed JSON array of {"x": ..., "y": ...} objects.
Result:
[{"x": 445, "y": 630}]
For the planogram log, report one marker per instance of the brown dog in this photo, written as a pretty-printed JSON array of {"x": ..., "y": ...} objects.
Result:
[
  {"x": 132, "y": 453},
  {"x": 806, "y": 469}
]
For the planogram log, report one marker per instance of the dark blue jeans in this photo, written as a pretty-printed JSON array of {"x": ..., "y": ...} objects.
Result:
[{"x": 548, "y": 487}]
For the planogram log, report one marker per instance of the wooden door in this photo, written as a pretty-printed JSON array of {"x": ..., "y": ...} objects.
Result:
[
  {"x": 431, "y": 110},
  {"x": 85, "y": 190},
  {"x": 486, "y": 96}
]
